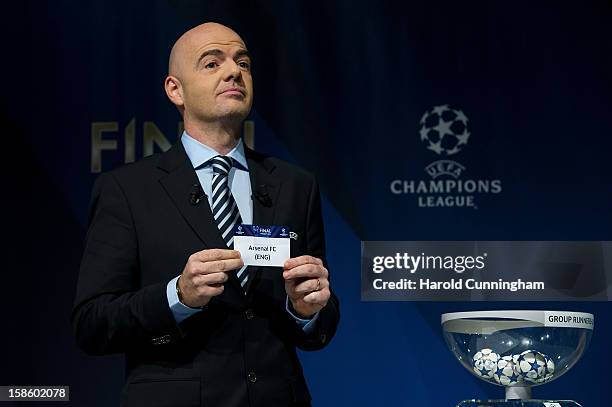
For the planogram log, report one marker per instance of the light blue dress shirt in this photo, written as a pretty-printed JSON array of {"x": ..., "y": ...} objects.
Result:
[{"x": 240, "y": 184}]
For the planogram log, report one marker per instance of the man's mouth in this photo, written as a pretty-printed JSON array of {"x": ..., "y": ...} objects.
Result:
[{"x": 233, "y": 92}]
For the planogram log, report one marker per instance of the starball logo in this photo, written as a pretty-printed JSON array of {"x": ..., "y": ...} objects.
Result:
[{"x": 444, "y": 132}]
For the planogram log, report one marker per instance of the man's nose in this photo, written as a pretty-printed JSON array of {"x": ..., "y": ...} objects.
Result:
[{"x": 232, "y": 71}]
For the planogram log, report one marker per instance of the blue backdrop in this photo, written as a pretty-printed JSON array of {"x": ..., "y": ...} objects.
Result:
[{"x": 341, "y": 88}]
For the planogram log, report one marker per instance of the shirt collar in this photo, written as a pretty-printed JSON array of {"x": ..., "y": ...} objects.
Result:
[{"x": 199, "y": 154}]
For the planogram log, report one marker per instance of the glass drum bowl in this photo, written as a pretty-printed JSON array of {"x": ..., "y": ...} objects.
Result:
[{"x": 518, "y": 349}]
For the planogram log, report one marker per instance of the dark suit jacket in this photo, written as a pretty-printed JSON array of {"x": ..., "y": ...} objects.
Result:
[{"x": 240, "y": 350}]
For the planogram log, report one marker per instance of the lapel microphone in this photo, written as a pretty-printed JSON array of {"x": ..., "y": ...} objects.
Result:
[
  {"x": 196, "y": 194},
  {"x": 261, "y": 194}
]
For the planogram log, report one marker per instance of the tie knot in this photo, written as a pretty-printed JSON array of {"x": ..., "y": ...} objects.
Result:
[{"x": 222, "y": 164}]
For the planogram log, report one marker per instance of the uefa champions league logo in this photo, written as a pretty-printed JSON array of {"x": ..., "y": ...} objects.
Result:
[{"x": 444, "y": 132}]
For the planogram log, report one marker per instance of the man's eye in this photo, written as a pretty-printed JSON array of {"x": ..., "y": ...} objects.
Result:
[
  {"x": 210, "y": 65},
  {"x": 244, "y": 64}
]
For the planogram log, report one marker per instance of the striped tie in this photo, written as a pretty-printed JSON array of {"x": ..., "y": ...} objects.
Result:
[{"x": 224, "y": 208}]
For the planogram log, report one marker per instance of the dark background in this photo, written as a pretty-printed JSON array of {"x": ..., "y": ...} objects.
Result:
[{"x": 340, "y": 88}]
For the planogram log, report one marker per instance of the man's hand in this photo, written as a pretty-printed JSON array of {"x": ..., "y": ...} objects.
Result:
[
  {"x": 306, "y": 284},
  {"x": 205, "y": 273}
]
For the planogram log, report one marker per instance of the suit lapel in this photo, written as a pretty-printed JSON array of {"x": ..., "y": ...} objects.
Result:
[
  {"x": 265, "y": 190},
  {"x": 264, "y": 187},
  {"x": 178, "y": 184}
]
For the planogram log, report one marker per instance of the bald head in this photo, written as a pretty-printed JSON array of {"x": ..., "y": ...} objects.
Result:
[
  {"x": 197, "y": 38},
  {"x": 209, "y": 77}
]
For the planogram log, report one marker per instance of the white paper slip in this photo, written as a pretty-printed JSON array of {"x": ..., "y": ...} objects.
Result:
[{"x": 262, "y": 245}]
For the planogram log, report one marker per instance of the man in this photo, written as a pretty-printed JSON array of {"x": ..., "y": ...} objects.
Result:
[{"x": 158, "y": 278}]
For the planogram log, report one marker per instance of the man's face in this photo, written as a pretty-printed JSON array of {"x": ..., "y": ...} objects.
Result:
[{"x": 215, "y": 76}]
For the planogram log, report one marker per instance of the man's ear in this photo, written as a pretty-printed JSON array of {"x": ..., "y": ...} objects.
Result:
[{"x": 174, "y": 91}]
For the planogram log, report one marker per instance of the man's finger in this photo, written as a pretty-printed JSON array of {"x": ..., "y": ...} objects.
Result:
[
  {"x": 217, "y": 266},
  {"x": 208, "y": 255},
  {"x": 210, "y": 279},
  {"x": 215, "y": 278},
  {"x": 298, "y": 261},
  {"x": 305, "y": 270},
  {"x": 311, "y": 285},
  {"x": 210, "y": 290},
  {"x": 318, "y": 297}
]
